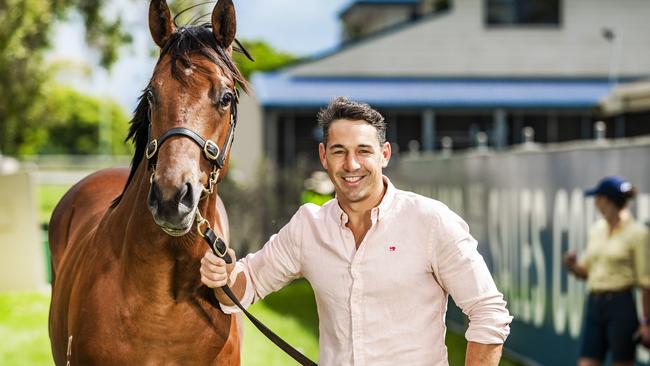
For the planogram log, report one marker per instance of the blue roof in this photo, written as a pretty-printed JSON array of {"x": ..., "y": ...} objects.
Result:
[{"x": 282, "y": 90}]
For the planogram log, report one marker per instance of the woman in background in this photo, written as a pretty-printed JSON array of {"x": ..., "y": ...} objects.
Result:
[{"x": 616, "y": 260}]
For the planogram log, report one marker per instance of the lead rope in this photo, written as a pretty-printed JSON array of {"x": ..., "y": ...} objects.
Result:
[{"x": 220, "y": 249}]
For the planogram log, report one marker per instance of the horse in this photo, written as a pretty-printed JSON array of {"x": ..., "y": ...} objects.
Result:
[{"x": 126, "y": 284}]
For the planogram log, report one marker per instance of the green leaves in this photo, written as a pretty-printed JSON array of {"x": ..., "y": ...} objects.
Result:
[
  {"x": 26, "y": 30},
  {"x": 266, "y": 58},
  {"x": 72, "y": 123}
]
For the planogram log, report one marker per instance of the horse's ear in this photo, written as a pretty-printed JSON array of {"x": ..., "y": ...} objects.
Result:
[
  {"x": 224, "y": 24},
  {"x": 161, "y": 24}
]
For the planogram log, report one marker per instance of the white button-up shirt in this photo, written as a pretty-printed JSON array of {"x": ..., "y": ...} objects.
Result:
[{"x": 385, "y": 302}]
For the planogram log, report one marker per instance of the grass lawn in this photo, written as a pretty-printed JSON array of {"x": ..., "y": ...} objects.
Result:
[
  {"x": 291, "y": 313},
  {"x": 23, "y": 329}
]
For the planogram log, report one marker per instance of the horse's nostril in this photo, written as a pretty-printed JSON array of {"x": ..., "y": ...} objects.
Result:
[{"x": 186, "y": 195}]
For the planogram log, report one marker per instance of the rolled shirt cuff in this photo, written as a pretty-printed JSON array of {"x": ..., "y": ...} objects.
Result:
[
  {"x": 489, "y": 321},
  {"x": 247, "y": 298}
]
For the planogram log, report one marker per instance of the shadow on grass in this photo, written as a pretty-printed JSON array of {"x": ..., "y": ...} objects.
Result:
[{"x": 296, "y": 301}]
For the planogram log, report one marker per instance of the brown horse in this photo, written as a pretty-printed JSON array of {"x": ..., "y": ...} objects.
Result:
[{"x": 124, "y": 291}]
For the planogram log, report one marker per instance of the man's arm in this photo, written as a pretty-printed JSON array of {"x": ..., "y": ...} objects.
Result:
[
  {"x": 464, "y": 275},
  {"x": 260, "y": 273},
  {"x": 479, "y": 354},
  {"x": 215, "y": 273}
]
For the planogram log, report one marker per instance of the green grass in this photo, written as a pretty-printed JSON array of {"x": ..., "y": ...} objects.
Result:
[
  {"x": 48, "y": 196},
  {"x": 23, "y": 329},
  {"x": 291, "y": 313}
]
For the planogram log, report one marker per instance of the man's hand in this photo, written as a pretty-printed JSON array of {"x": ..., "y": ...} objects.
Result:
[{"x": 215, "y": 273}]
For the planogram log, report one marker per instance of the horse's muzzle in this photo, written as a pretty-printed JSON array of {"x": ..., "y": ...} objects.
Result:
[{"x": 174, "y": 215}]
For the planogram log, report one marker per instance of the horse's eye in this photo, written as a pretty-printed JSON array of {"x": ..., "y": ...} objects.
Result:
[{"x": 226, "y": 100}]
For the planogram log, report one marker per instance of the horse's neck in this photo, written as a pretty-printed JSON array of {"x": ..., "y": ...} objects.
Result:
[{"x": 152, "y": 262}]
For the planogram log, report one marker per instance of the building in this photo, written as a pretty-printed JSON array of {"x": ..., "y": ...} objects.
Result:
[{"x": 452, "y": 69}]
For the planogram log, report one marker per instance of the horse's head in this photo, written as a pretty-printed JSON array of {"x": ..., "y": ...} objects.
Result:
[{"x": 191, "y": 106}]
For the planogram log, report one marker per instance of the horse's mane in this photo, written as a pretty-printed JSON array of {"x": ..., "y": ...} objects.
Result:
[{"x": 186, "y": 41}]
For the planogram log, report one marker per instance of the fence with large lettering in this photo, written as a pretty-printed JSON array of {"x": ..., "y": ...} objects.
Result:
[{"x": 526, "y": 207}]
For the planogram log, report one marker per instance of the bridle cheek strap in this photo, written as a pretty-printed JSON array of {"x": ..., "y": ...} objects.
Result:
[{"x": 211, "y": 151}]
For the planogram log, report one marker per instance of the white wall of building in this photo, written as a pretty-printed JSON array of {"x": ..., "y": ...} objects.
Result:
[
  {"x": 458, "y": 43},
  {"x": 22, "y": 262}
]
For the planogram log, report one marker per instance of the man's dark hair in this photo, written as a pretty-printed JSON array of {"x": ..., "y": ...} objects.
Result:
[{"x": 342, "y": 108}]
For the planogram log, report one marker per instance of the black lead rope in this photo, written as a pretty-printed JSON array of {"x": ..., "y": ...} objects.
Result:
[{"x": 219, "y": 247}]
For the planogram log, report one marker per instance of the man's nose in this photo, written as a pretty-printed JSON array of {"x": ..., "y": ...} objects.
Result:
[{"x": 351, "y": 163}]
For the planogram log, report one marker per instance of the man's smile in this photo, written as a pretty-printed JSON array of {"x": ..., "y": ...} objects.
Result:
[{"x": 353, "y": 180}]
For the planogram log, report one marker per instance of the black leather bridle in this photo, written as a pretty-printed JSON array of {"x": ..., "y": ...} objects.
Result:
[
  {"x": 217, "y": 157},
  {"x": 211, "y": 151}
]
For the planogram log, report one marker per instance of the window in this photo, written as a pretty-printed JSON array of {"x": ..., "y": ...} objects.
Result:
[{"x": 522, "y": 12}]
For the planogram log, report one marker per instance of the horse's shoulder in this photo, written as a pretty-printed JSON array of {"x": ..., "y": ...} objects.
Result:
[{"x": 82, "y": 206}]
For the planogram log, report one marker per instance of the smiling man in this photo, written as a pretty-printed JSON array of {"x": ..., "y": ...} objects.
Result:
[{"x": 381, "y": 261}]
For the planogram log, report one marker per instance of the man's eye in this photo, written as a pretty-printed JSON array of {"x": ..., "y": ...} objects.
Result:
[{"x": 338, "y": 152}]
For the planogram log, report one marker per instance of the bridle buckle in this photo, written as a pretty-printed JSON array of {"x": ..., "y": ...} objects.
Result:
[
  {"x": 211, "y": 150},
  {"x": 152, "y": 148}
]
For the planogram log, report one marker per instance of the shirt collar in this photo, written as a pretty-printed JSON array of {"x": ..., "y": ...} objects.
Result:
[{"x": 378, "y": 212}]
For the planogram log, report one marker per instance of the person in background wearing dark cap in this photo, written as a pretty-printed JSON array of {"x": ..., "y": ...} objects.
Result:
[{"x": 616, "y": 260}]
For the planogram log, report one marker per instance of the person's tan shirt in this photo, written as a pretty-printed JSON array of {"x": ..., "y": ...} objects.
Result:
[
  {"x": 619, "y": 261},
  {"x": 385, "y": 303}
]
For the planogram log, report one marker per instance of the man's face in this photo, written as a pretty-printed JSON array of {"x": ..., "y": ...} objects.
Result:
[{"x": 354, "y": 159}]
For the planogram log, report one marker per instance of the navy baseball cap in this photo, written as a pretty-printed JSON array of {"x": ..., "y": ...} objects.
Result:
[{"x": 612, "y": 186}]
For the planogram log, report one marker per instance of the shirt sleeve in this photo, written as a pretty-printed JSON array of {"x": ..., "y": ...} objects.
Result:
[
  {"x": 464, "y": 274},
  {"x": 272, "y": 267},
  {"x": 641, "y": 249}
]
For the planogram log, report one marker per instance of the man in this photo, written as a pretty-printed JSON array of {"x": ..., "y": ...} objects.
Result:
[{"x": 381, "y": 261}]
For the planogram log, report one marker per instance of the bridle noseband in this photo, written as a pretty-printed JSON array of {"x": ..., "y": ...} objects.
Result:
[
  {"x": 217, "y": 158},
  {"x": 211, "y": 151}
]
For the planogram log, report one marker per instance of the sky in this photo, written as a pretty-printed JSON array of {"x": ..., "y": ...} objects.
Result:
[{"x": 301, "y": 27}]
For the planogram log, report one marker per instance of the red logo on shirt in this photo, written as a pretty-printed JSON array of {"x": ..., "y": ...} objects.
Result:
[{"x": 392, "y": 248}]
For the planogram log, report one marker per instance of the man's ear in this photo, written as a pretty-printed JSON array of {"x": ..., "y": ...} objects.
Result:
[
  {"x": 385, "y": 154},
  {"x": 321, "y": 155}
]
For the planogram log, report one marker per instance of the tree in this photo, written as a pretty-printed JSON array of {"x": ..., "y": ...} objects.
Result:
[
  {"x": 26, "y": 28},
  {"x": 70, "y": 123},
  {"x": 266, "y": 58}
]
